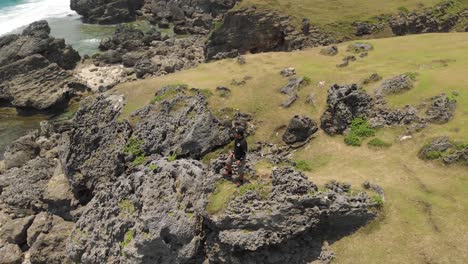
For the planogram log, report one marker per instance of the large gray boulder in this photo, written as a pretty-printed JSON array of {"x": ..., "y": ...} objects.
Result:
[
  {"x": 47, "y": 238},
  {"x": 93, "y": 149},
  {"x": 10, "y": 254},
  {"x": 179, "y": 122},
  {"x": 344, "y": 103},
  {"x": 299, "y": 130},
  {"x": 106, "y": 11},
  {"x": 151, "y": 216},
  {"x": 34, "y": 68},
  {"x": 395, "y": 85},
  {"x": 441, "y": 109}
]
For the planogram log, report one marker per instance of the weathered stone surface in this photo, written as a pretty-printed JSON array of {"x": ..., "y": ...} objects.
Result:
[
  {"x": 394, "y": 85},
  {"x": 273, "y": 228},
  {"x": 151, "y": 216},
  {"x": 93, "y": 149},
  {"x": 375, "y": 77},
  {"x": 23, "y": 189},
  {"x": 180, "y": 123},
  {"x": 14, "y": 231},
  {"x": 33, "y": 68},
  {"x": 359, "y": 47},
  {"x": 106, "y": 11},
  {"x": 435, "y": 19},
  {"x": 329, "y": 51},
  {"x": 441, "y": 109},
  {"x": 383, "y": 116},
  {"x": 292, "y": 86},
  {"x": 440, "y": 144},
  {"x": 344, "y": 103},
  {"x": 288, "y": 72},
  {"x": 249, "y": 30},
  {"x": 188, "y": 16},
  {"x": 299, "y": 130},
  {"x": 47, "y": 238},
  {"x": 10, "y": 254},
  {"x": 21, "y": 151}
]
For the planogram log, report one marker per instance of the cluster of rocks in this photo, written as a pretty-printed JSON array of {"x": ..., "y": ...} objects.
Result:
[
  {"x": 439, "y": 18},
  {"x": 357, "y": 48},
  {"x": 150, "y": 53},
  {"x": 395, "y": 85},
  {"x": 35, "y": 69},
  {"x": 107, "y": 12},
  {"x": 74, "y": 193},
  {"x": 241, "y": 30},
  {"x": 329, "y": 51},
  {"x": 291, "y": 90},
  {"x": 274, "y": 226},
  {"x": 449, "y": 152},
  {"x": 344, "y": 103},
  {"x": 187, "y": 16}
]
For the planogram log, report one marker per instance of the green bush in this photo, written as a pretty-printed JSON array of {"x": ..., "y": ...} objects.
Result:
[
  {"x": 303, "y": 165},
  {"x": 353, "y": 140},
  {"x": 152, "y": 167},
  {"x": 261, "y": 189},
  {"x": 378, "y": 200},
  {"x": 306, "y": 81},
  {"x": 361, "y": 127},
  {"x": 139, "y": 160},
  {"x": 412, "y": 75},
  {"x": 433, "y": 154},
  {"x": 172, "y": 157},
  {"x": 377, "y": 142},
  {"x": 403, "y": 9},
  {"x": 133, "y": 147}
]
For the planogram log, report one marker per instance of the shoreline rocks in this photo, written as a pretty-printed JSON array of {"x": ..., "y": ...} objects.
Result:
[
  {"x": 107, "y": 12},
  {"x": 35, "y": 69}
]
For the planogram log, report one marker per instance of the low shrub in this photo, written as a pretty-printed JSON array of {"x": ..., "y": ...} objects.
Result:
[
  {"x": 353, "y": 140},
  {"x": 434, "y": 154},
  {"x": 377, "y": 142}
]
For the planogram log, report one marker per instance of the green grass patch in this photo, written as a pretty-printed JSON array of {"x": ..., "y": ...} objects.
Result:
[
  {"x": 128, "y": 237},
  {"x": 262, "y": 189},
  {"x": 127, "y": 207},
  {"x": 377, "y": 199},
  {"x": 359, "y": 129},
  {"x": 221, "y": 197},
  {"x": 152, "y": 167},
  {"x": 303, "y": 165},
  {"x": 403, "y": 9},
  {"x": 172, "y": 157},
  {"x": 412, "y": 75},
  {"x": 134, "y": 148},
  {"x": 379, "y": 143},
  {"x": 434, "y": 154}
]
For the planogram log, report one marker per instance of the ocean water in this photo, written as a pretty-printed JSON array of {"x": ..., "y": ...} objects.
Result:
[
  {"x": 18, "y": 13},
  {"x": 64, "y": 22}
]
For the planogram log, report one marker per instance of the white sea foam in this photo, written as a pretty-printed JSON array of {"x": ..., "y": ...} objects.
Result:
[{"x": 29, "y": 11}]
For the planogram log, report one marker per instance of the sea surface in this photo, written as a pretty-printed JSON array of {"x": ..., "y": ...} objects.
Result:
[{"x": 64, "y": 23}]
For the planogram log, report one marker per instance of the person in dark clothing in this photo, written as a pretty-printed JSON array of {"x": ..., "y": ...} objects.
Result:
[{"x": 238, "y": 156}]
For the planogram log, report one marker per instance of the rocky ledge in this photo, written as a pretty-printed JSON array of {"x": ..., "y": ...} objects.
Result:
[
  {"x": 105, "y": 190},
  {"x": 34, "y": 71},
  {"x": 108, "y": 11}
]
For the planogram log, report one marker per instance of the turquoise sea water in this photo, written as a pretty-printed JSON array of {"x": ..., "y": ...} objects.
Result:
[{"x": 6, "y": 3}]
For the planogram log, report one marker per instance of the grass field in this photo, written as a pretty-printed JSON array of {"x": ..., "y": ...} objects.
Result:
[
  {"x": 424, "y": 218},
  {"x": 337, "y": 15}
]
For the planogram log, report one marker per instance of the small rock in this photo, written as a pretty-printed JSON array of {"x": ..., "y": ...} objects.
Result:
[
  {"x": 288, "y": 72},
  {"x": 359, "y": 47},
  {"x": 329, "y": 51},
  {"x": 375, "y": 77},
  {"x": 291, "y": 99},
  {"x": 241, "y": 60}
]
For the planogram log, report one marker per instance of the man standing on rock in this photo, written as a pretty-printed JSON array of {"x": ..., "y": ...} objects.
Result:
[{"x": 238, "y": 156}]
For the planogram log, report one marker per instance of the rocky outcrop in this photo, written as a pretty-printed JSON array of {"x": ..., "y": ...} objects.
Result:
[
  {"x": 395, "y": 85},
  {"x": 272, "y": 227},
  {"x": 441, "y": 109},
  {"x": 92, "y": 151},
  {"x": 180, "y": 123},
  {"x": 106, "y": 11},
  {"x": 440, "y": 18},
  {"x": 249, "y": 30},
  {"x": 446, "y": 150},
  {"x": 383, "y": 116},
  {"x": 151, "y": 53},
  {"x": 188, "y": 16},
  {"x": 152, "y": 216},
  {"x": 344, "y": 103},
  {"x": 299, "y": 130},
  {"x": 47, "y": 237},
  {"x": 34, "y": 68}
]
